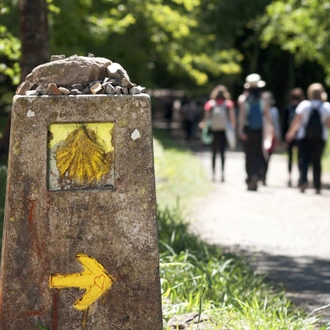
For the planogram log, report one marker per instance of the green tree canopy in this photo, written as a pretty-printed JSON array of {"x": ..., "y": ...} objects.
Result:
[
  {"x": 300, "y": 27},
  {"x": 154, "y": 40}
]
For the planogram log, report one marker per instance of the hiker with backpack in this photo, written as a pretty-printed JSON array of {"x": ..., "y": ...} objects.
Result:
[
  {"x": 255, "y": 129},
  {"x": 295, "y": 97},
  {"x": 310, "y": 124},
  {"x": 219, "y": 119}
]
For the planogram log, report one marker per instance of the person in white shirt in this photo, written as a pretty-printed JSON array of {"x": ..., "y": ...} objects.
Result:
[{"x": 309, "y": 126}]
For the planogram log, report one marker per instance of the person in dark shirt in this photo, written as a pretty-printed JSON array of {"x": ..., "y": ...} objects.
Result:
[
  {"x": 253, "y": 119},
  {"x": 295, "y": 97}
]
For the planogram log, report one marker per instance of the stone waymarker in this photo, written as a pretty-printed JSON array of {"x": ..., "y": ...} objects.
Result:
[{"x": 80, "y": 248}]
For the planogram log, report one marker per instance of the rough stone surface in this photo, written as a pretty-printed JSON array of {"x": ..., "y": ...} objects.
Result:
[
  {"x": 68, "y": 71},
  {"x": 44, "y": 230}
]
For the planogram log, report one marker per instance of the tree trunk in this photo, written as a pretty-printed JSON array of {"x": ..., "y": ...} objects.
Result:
[
  {"x": 34, "y": 35},
  {"x": 34, "y": 40}
]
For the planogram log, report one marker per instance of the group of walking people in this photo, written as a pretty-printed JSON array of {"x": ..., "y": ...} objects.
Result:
[{"x": 305, "y": 124}]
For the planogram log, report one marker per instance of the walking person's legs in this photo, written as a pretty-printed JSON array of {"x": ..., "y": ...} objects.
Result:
[
  {"x": 290, "y": 158},
  {"x": 248, "y": 150},
  {"x": 215, "y": 148},
  {"x": 222, "y": 146},
  {"x": 317, "y": 167},
  {"x": 304, "y": 160},
  {"x": 254, "y": 158}
]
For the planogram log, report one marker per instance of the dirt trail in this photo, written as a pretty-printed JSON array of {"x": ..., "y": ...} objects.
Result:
[{"x": 286, "y": 233}]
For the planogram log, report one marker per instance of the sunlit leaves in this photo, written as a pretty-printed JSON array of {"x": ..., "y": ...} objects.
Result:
[
  {"x": 188, "y": 4},
  {"x": 112, "y": 23},
  {"x": 10, "y": 51},
  {"x": 170, "y": 20},
  {"x": 174, "y": 35},
  {"x": 301, "y": 27}
]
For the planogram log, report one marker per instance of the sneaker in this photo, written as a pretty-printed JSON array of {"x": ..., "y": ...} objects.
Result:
[
  {"x": 290, "y": 183},
  {"x": 318, "y": 192},
  {"x": 222, "y": 178}
]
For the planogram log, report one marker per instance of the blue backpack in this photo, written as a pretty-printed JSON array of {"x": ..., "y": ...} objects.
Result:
[{"x": 255, "y": 116}]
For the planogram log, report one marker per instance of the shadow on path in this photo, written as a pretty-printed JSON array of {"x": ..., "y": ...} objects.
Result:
[{"x": 306, "y": 280}]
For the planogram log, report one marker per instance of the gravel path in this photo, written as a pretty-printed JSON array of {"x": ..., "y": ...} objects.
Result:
[{"x": 286, "y": 233}]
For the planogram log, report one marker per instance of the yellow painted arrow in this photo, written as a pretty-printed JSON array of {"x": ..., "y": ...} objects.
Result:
[{"x": 95, "y": 279}]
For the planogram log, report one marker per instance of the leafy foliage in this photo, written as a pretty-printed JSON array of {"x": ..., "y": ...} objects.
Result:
[
  {"x": 300, "y": 27},
  {"x": 10, "y": 52},
  {"x": 152, "y": 38}
]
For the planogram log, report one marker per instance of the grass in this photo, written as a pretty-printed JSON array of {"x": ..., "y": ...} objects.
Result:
[
  {"x": 186, "y": 184},
  {"x": 197, "y": 277}
]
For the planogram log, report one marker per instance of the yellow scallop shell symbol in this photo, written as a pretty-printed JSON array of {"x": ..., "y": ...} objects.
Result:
[{"x": 81, "y": 158}]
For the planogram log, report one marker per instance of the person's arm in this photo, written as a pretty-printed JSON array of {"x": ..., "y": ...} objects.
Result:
[
  {"x": 328, "y": 122},
  {"x": 295, "y": 125},
  {"x": 231, "y": 113},
  {"x": 241, "y": 121},
  {"x": 232, "y": 117},
  {"x": 206, "y": 115},
  {"x": 267, "y": 112}
]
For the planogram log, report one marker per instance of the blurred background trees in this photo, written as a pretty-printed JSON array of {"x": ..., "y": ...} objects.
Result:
[{"x": 189, "y": 45}]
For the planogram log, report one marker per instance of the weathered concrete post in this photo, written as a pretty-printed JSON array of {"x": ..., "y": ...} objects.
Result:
[{"x": 80, "y": 248}]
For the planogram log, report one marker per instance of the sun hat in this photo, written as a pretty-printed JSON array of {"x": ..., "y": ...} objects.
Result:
[{"x": 254, "y": 81}]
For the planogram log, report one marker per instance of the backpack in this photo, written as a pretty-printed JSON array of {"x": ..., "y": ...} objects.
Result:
[
  {"x": 314, "y": 127},
  {"x": 255, "y": 116},
  {"x": 218, "y": 117}
]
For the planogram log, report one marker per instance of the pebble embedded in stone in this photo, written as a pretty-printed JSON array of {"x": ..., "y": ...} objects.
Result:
[
  {"x": 41, "y": 90},
  {"x": 126, "y": 83},
  {"x": 32, "y": 93},
  {"x": 134, "y": 90},
  {"x": 75, "y": 92},
  {"x": 24, "y": 87},
  {"x": 87, "y": 90},
  {"x": 52, "y": 89},
  {"x": 109, "y": 89},
  {"x": 118, "y": 89},
  {"x": 57, "y": 57},
  {"x": 65, "y": 91},
  {"x": 141, "y": 89},
  {"x": 96, "y": 88},
  {"x": 115, "y": 81},
  {"x": 80, "y": 87},
  {"x": 115, "y": 70}
]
